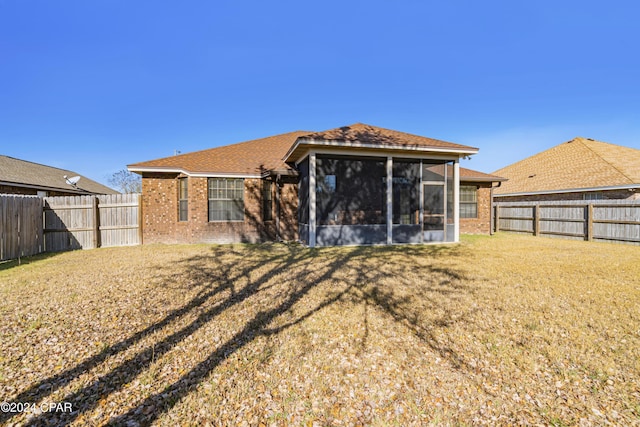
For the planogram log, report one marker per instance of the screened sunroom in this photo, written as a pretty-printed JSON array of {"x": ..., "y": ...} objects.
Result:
[
  {"x": 363, "y": 185},
  {"x": 347, "y": 200}
]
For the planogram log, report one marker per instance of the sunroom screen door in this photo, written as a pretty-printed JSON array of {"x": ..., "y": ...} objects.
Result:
[{"x": 433, "y": 212}]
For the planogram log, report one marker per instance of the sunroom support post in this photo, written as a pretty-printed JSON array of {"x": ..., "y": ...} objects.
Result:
[
  {"x": 389, "y": 200},
  {"x": 312, "y": 200},
  {"x": 456, "y": 200}
]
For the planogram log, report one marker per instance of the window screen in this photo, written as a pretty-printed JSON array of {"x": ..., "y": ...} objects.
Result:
[
  {"x": 226, "y": 199},
  {"x": 183, "y": 199},
  {"x": 468, "y": 201},
  {"x": 303, "y": 192},
  {"x": 267, "y": 201},
  {"x": 350, "y": 191},
  {"x": 406, "y": 192}
]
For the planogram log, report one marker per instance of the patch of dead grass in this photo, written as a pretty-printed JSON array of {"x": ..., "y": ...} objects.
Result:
[{"x": 498, "y": 330}]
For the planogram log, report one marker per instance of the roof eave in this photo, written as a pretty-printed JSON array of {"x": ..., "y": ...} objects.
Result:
[
  {"x": 482, "y": 179},
  {"x": 571, "y": 190},
  {"x": 46, "y": 188},
  {"x": 204, "y": 174},
  {"x": 462, "y": 151}
]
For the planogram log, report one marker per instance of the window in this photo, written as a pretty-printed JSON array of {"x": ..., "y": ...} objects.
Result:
[
  {"x": 226, "y": 199},
  {"x": 183, "y": 199},
  {"x": 267, "y": 201},
  {"x": 468, "y": 201},
  {"x": 596, "y": 195},
  {"x": 328, "y": 185}
]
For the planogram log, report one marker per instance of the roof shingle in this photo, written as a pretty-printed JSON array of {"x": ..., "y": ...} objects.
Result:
[
  {"x": 268, "y": 154},
  {"x": 575, "y": 164},
  {"x": 367, "y": 134},
  {"x": 245, "y": 158},
  {"x": 22, "y": 172}
]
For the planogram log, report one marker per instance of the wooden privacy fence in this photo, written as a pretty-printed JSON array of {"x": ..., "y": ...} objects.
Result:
[
  {"x": 20, "y": 226},
  {"x": 87, "y": 222},
  {"x": 601, "y": 220}
]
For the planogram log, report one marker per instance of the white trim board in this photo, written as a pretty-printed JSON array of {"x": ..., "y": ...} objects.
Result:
[{"x": 195, "y": 174}]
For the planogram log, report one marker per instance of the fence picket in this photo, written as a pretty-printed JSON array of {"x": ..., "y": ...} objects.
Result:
[
  {"x": 67, "y": 222},
  {"x": 20, "y": 226},
  {"x": 597, "y": 220}
]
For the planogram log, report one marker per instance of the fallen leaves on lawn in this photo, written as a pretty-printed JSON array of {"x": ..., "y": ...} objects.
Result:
[{"x": 495, "y": 331}]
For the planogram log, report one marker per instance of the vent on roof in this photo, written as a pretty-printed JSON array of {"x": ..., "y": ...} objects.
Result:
[{"x": 531, "y": 176}]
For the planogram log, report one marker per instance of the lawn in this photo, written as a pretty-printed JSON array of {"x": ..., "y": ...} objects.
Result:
[{"x": 497, "y": 330}]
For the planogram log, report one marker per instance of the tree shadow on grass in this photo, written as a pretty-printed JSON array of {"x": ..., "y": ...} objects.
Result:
[{"x": 227, "y": 282}]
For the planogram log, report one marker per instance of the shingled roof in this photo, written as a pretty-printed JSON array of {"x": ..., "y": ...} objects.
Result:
[
  {"x": 471, "y": 175},
  {"x": 363, "y": 136},
  {"x": 581, "y": 163},
  {"x": 22, "y": 173},
  {"x": 245, "y": 158},
  {"x": 254, "y": 158}
]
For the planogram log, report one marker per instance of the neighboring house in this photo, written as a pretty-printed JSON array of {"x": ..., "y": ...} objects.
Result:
[
  {"x": 23, "y": 177},
  {"x": 580, "y": 169},
  {"x": 352, "y": 185}
]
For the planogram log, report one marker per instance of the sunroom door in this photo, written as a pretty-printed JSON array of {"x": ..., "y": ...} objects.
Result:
[{"x": 433, "y": 208}]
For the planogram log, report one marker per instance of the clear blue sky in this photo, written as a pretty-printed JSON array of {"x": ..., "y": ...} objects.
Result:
[{"x": 94, "y": 85}]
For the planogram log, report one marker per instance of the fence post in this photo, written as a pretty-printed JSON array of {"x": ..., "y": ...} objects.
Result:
[
  {"x": 96, "y": 223},
  {"x": 497, "y": 218},
  {"x": 589, "y": 213},
  {"x": 536, "y": 220},
  {"x": 18, "y": 212}
]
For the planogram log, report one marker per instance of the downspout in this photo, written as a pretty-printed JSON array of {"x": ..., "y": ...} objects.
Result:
[{"x": 491, "y": 215}]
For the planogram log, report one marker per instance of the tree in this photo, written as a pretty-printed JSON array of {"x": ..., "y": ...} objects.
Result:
[{"x": 126, "y": 182}]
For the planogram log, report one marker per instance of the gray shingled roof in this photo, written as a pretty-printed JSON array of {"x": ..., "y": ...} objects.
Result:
[{"x": 35, "y": 175}]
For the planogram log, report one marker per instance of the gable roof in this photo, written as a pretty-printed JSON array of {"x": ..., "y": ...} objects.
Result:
[
  {"x": 581, "y": 163},
  {"x": 22, "y": 173},
  {"x": 363, "y": 136},
  {"x": 256, "y": 157}
]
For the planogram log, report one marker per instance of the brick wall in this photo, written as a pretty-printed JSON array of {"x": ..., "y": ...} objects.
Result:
[
  {"x": 161, "y": 225},
  {"x": 160, "y": 209},
  {"x": 160, "y": 213},
  {"x": 288, "y": 225},
  {"x": 481, "y": 224}
]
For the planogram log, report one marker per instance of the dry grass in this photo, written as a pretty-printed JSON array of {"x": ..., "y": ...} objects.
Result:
[{"x": 501, "y": 330}]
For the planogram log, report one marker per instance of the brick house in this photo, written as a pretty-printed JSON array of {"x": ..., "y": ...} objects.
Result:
[
  {"x": 580, "y": 169},
  {"x": 353, "y": 185},
  {"x": 28, "y": 178}
]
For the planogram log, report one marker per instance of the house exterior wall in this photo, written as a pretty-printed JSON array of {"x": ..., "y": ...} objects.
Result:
[
  {"x": 481, "y": 224},
  {"x": 607, "y": 195},
  {"x": 288, "y": 215},
  {"x": 161, "y": 225},
  {"x": 160, "y": 213},
  {"x": 11, "y": 189}
]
